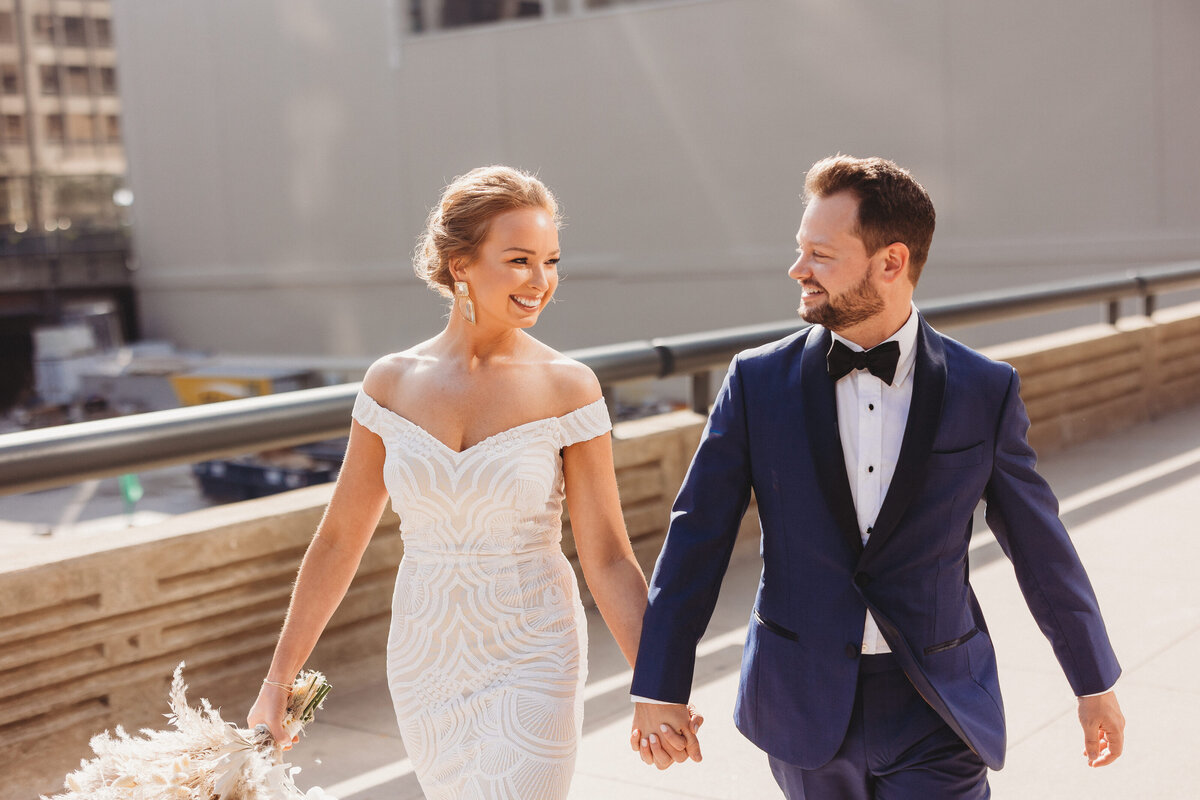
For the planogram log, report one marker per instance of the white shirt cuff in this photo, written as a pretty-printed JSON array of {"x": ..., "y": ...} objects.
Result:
[
  {"x": 1097, "y": 694},
  {"x": 635, "y": 699}
]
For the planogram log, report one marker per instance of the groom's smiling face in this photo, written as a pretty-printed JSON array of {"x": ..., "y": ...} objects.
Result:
[{"x": 834, "y": 270}]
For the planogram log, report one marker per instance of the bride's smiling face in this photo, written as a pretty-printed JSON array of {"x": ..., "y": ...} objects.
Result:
[{"x": 515, "y": 271}]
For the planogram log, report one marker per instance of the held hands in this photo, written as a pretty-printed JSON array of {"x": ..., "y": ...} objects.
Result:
[
  {"x": 665, "y": 734},
  {"x": 1103, "y": 728}
]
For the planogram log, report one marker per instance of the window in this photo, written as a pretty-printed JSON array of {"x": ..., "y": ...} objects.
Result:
[
  {"x": 108, "y": 80},
  {"x": 10, "y": 79},
  {"x": 458, "y": 13},
  {"x": 8, "y": 32},
  {"x": 43, "y": 29},
  {"x": 102, "y": 31},
  {"x": 605, "y": 3},
  {"x": 55, "y": 128},
  {"x": 432, "y": 15},
  {"x": 73, "y": 31},
  {"x": 48, "y": 78},
  {"x": 14, "y": 128},
  {"x": 112, "y": 129},
  {"x": 78, "y": 82},
  {"x": 81, "y": 128},
  {"x": 6, "y": 215},
  {"x": 14, "y": 202}
]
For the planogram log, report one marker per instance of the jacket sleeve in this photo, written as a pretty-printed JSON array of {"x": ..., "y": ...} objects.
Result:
[
  {"x": 1022, "y": 512},
  {"x": 704, "y": 526}
]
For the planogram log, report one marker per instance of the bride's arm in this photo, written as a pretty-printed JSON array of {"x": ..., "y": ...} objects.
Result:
[
  {"x": 611, "y": 570},
  {"x": 325, "y": 573}
]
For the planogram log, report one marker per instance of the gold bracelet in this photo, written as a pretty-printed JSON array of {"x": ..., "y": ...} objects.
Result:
[{"x": 270, "y": 682}]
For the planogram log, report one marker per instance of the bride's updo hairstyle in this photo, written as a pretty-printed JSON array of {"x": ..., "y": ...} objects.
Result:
[{"x": 458, "y": 224}]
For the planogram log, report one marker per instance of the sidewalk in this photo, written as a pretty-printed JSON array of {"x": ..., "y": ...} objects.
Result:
[{"x": 1130, "y": 501}]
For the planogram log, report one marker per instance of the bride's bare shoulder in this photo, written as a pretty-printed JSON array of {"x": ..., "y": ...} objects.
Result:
[
  {"x": 571, "y": 381},
  {"x": 383, "y": 376}
]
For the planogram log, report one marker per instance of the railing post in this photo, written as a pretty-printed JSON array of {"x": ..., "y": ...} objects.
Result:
[
  {"x": 701, "y": 388},
  {"x": 1148, "y": 303},
  {"x": 1114, "y": 311}
]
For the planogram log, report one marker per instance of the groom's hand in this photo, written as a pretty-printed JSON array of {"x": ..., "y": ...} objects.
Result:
[
  {"x": 1103, "y": 728},
  {"x": 665, "y": 733}
]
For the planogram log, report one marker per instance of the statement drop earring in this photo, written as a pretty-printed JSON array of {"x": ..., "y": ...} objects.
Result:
[{"x": 462, "y": 294}]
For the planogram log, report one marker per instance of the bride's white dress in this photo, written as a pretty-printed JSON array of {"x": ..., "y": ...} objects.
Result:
[{"x": 488, "y": 647}]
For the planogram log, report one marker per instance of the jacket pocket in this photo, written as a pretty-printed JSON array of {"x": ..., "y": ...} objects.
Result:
[
  {"x": 774, "y": 628},
  {"x": 953, "y": 643},
  {"x": 956, "y": 459}
]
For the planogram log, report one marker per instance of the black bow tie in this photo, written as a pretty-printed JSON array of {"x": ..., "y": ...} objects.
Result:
[{"x": 879, "y": 361}]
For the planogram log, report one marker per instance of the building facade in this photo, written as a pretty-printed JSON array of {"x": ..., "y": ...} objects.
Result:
[
  {"x": 61, "y": 158},
  {"x": 63, "y": 247},
  {"x": 284, "y": 155}
]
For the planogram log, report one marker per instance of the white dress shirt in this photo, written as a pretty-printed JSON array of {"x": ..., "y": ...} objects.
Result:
[{"x": 871, "y": 419}]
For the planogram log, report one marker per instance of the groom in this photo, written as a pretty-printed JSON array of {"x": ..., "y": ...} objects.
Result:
[{"x": 867, "y": 439}]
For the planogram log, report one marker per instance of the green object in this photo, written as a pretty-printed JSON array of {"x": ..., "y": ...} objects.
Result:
[{"x": 131, "y": 490}]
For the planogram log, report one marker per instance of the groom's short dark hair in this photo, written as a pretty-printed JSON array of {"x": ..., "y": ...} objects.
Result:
[{"x": 892, "y": 206}]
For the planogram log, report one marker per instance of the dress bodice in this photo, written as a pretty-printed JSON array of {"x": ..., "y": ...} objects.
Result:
[{"x": 501, "y": 496}]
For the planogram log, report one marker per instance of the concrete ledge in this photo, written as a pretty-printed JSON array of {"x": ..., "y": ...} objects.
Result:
[
  {"x": 90, "y": 639},
  {"x": 1091, "y": 381}
]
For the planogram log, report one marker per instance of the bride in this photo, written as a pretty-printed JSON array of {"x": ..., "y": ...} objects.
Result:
[{"x": 478, "y": 435}]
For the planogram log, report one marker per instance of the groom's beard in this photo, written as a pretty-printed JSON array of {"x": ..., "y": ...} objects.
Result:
[{"x": 857, "y": 304}]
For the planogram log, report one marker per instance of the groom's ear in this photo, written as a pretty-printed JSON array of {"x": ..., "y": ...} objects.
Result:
[{"x": 895, "y": 261}]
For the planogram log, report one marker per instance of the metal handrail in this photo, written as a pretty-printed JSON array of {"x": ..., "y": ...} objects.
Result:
[{"x": 48, "y": 457}]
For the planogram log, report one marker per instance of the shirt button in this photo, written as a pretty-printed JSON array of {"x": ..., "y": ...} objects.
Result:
[
  {"x": 851, "y": 650},
  {"x": 870, "y": 469},
  {"x": 870, "y": 529},
  {"x": 870, "y": 406}
]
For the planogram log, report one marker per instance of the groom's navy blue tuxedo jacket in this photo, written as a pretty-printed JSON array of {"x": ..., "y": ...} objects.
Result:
[{"x": 774, "y": 429}]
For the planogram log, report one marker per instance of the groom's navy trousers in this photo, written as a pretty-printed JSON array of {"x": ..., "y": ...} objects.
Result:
[
  {"x": 773, "y": 431},
  {"x": 896, "y": 748}
]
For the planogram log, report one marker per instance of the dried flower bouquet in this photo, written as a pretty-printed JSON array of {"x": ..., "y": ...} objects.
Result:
[{"x": 203, "y": 758}]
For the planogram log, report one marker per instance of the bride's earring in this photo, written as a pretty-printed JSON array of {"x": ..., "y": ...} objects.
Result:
[{"x": 466, "y": 307}]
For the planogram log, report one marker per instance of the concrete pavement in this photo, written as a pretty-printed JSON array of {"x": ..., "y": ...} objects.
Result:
[{"x": 1131, "y": 501}]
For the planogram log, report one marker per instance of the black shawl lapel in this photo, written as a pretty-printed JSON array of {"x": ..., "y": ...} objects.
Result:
[
  {"x": 924, "y": 414},
  {"x": 821, "y": 423}
]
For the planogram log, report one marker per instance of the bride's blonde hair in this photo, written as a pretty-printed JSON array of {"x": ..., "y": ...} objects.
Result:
[{"x": 458, "y": 224}]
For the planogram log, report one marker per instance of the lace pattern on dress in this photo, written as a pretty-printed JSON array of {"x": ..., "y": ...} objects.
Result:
[
  {"x": 585, "y": 423},
  {"x": 371, "y": 415},
  {"x": 487, "y": 653}
]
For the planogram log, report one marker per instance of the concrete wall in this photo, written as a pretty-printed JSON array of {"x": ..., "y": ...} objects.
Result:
[
  {"x": 89, "y": 640},
  {"x": 283, "y": 154},
  {"x": 1088, "y": 382}
]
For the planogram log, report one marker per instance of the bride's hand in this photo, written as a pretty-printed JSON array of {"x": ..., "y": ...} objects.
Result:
[
  {"x": 663, "y": 735},
  {"x": 269, "y": 710}
]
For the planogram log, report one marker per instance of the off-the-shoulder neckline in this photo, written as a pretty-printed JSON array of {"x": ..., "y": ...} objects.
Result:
[{"x": 484, "y": 440}]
